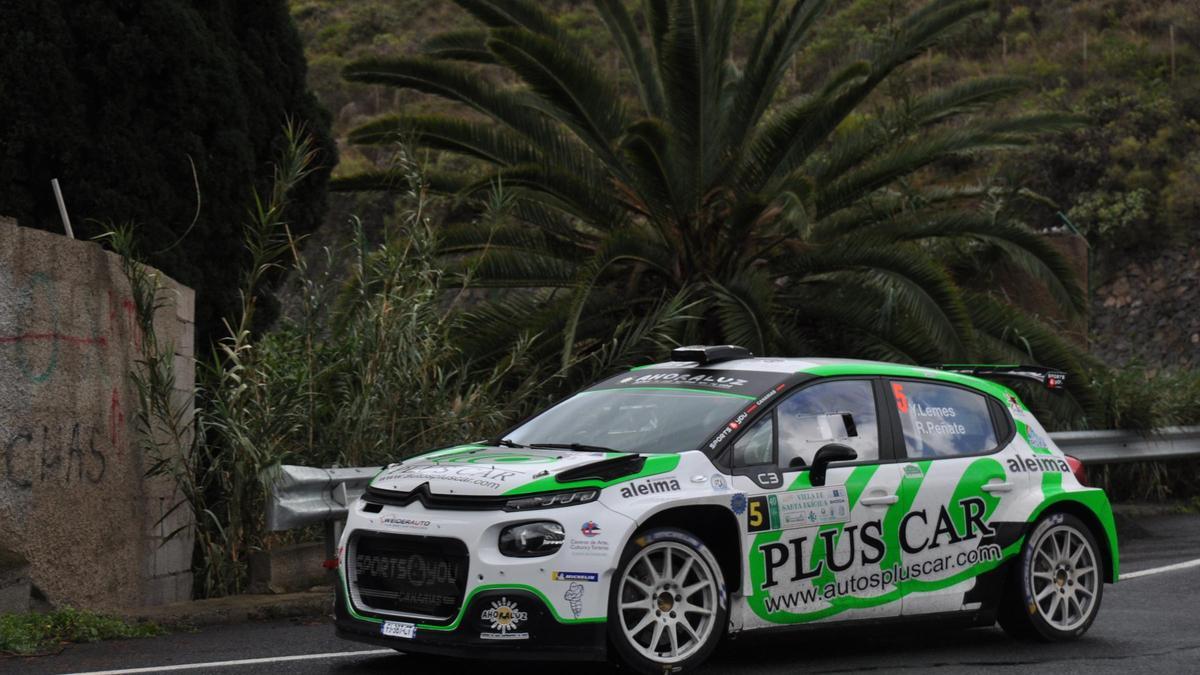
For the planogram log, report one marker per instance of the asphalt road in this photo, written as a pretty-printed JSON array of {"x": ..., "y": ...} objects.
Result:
[{"x": 1148, "y": 623}]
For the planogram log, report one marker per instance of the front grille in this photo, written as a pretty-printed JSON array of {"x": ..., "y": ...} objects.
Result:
[
  {"x": 423, "y": 577},
  {"x": 422, "y": 494}
]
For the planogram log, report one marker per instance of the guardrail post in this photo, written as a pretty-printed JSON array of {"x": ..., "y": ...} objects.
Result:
[{"x": 331, "y": 557}]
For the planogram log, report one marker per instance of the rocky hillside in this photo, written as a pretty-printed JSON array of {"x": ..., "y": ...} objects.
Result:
[{"x": 1129, "y": 179}]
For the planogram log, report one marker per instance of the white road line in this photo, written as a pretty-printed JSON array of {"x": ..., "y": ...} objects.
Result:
[
  {"x": 1160, "y": 570},
  {"x": 240, "y": 662}
]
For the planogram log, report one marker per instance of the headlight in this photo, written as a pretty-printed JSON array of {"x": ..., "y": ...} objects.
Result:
[
  {"x": 530, "y": 540},
  {"x": 548, "y": 500}
]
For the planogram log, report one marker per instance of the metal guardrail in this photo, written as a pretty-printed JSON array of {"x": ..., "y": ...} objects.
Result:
[
  {"x": 302, "y": 495},
  {"x": 1118, "y": 447}
]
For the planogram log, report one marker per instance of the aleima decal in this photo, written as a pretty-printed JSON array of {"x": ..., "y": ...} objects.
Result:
[
  {"x": 1023, "y": 464},
  {"x": 649, "y": 486}
]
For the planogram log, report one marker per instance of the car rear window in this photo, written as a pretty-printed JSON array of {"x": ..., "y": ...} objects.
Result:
[{"x": 943, "y": 421}]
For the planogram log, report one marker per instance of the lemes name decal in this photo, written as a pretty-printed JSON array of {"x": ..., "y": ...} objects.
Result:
[{"x": 788, "y": 561}]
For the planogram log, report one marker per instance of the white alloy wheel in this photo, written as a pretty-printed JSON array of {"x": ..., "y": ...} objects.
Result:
[
  {"x": 1056, "y": 584},
  {"x": 667, "y": 608},
  {"x": 1064, "y": 577}
]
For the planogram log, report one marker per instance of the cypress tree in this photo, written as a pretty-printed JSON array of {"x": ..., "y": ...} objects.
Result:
[{"x": 118, "y": 99}]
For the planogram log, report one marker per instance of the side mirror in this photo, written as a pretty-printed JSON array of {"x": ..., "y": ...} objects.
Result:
[{"x": 834, "y": 452}]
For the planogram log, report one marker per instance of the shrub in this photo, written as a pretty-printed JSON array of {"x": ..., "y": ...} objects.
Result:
[{"x": 32, "y": 633}]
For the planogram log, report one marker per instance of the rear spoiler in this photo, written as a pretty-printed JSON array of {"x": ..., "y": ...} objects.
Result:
[{"x": 1053, "y": 378}]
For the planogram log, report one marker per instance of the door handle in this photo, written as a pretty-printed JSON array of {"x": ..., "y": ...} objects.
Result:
[
  {"x": 998, "y": 487},
  {"x": 885, "y": 500}
]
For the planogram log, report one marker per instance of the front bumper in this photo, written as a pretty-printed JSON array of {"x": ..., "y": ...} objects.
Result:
[{"x": 542, "y": 636}]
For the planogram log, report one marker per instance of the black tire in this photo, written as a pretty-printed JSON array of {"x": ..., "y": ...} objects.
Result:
[
  {"x": 1030, "y": 608},
  {"x": 655, "y": 546}
]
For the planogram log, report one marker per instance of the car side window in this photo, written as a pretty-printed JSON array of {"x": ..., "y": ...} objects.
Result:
[
  {"x": 841, "y": 411},
  {"x": 754, "y": 447},
  {"x": 943, "y": 421}
]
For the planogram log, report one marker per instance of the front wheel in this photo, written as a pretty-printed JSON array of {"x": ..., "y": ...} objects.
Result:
[
  {"x": 667, "y": 608},
  {"x": 1054, "y": 592}
]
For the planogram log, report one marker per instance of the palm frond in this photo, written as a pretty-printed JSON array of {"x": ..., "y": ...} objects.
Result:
[
  {"x": 621, "y": 28},
  {"x": 569, "y": 87},
  {"x": 459, "y": 45},
  {"x": 513, "y": 14},
  {"x": 630, "y": 247},
  {"x": 453, "y": 82}
]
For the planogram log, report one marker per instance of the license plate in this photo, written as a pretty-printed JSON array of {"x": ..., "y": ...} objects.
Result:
[{"x": 399, "y": 630}]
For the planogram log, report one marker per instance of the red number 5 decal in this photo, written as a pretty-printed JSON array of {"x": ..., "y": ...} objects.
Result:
[{"x": 901, "y": 399}]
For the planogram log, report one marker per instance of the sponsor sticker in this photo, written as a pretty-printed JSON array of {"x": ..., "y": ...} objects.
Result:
[
  {"x": 575, "y": 576},
  {"x": 1038, "y": 464},
  {"x": 414, "y": 569},
  {"x": 721, "y": 382},
  {"x": 649, "y": 486},
  {"x": 398, "y": 629},
  {"x": 719, "y": 483},
  {"x": 1035, "y": 439},
  {"x": 912, "y": 470},
  {"x": 574, "y": 598},
  {"x": 932, "y": 545},
  {"x": 799, "y": 508},
  {"x": 504, "y": 619},
  {"x": 1013, "y": 404},
  {"x": 738, "y": 503},
  {"x": 588, "y": 547},
  {"x": 816, "y": 506},
  {"x": 402, "y": 523}
]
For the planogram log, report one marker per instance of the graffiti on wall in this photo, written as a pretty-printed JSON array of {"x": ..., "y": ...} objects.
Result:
[
  {"x": 64, "y": 454},
  {"x": 54, "y": 341}
]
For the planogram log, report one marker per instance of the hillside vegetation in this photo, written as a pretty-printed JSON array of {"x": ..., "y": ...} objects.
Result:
[{"x": 1129, "y": 180}]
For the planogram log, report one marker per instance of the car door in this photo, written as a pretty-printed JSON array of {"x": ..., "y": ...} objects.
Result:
[
  {"x": 953, "y": 500},
  {"x": 816, "y": 551}
]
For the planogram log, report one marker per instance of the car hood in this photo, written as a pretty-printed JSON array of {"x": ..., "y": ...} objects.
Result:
[{"x": 480, "y": 470}]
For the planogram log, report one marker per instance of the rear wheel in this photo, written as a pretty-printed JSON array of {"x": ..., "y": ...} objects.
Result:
[
  {"x": 667, "y": 608},
  {"x": 1054, "y": 592}
]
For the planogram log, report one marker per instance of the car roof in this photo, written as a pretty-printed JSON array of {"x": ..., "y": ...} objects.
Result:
[{"x": 830, "y": 367}]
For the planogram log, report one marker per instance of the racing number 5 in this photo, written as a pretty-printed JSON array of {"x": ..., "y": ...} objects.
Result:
[
  {"x": 901, "y": 399},
  {"x": 756, "y": 514}
]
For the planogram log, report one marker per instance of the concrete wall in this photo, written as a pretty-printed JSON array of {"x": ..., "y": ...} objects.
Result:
[{"x": 74, "y": 498}]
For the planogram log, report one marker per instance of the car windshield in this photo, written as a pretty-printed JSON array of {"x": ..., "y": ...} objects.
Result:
[{"x": 633, "y": 420}]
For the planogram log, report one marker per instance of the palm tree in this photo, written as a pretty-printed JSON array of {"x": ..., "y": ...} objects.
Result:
[{"x": 793, "y": 224}]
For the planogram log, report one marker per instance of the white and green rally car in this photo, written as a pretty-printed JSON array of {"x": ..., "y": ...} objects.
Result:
[{"x": 652, "y": 514}]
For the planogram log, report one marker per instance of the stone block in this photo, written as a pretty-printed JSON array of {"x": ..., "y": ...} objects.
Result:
[
  {"x": 171, "y": 556},
  {"x": 288, "y": 568},
  {"x": 185, "y": 343},
  {"x": 185, "y": 372},
  {"x": 14, "y": 582}
]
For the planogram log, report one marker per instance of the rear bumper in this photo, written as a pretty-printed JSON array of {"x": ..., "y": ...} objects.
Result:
[{"x": 540, "y": 636}]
